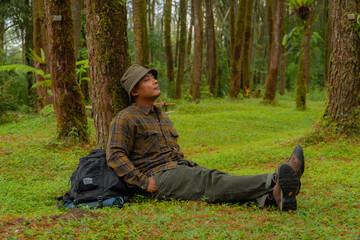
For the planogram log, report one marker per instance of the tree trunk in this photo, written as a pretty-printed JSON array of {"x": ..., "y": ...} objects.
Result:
[
  {"x": 141, "y": 41},
  {"x": 327, "y": 40},
  {"x": 283, "y": 58},
  {"x": 68, "y": 100},
  {"x": 270, "y": 26},
  {"x": 39, "y": 42},
  {"x": 343, "y": 98},
  {"x": 232, "y": 26},
  {"x": 188, "y": 48},
  {"x": 167, "y": 39},
  {"x": 177, "y": 36},
  {"x": 2, "y": 31},
  {"x": 197, "y": 61},
  {"x": 245, "y": 69},
  {"x": 153, "y": 14},
  {"x": 28, "y": 60},
  {"x": 303, "y": 76},
  {"x": 211, "y": 68},
  {"x": 76, "y": 10},
  {"x": 180, "y": 75},
  {"x": 235, "y": 74},
  {"x": 275, "y": 50},
  {"x": 108, "y": 60}
]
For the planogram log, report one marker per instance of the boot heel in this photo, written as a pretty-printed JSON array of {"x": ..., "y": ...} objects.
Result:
[{"x": 289, "y": 183}]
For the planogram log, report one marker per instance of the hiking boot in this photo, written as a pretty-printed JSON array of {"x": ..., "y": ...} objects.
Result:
[
  {"x": 297, "y": 162},
  {"x": 285, "y": 189}
]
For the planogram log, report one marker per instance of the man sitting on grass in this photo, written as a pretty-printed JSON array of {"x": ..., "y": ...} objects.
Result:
[{"x": 143, "y": 150}]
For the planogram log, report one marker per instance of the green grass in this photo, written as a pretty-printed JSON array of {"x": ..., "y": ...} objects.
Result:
[{"x": 236, "y": 136}]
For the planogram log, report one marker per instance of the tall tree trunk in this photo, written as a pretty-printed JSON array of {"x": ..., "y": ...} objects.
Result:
[
  {"x": 270, "y": 27},
  {"x": 2, "y": 31},
  {"x": 303, "y": 76},
  {"x": 235, "y": 74},
  {"x": 148, "y": 5},
  {"x": 275, "y": 50},
  {"x": 153, "y": 14},
  {"x": 188, "y": 48},
  {"x": 39, "y": 43},
  {"x": 197, "y": 61},
  {"x": 28, "y": 60},
  {"x": 167, "y": 40},
  {"x": 232, "y": 26},
  {"x": 245, "y": 69},
  {"x": 211, "y": 68},
  {"x": 177, "y": 36},
  {"x": 180, "y": 75},
  {"x": 343, "y": 98},
  {"x": 283, "y": 58},
  {"x": 108, "y": 60},
  {"x": 327, "y": 40},
  {"x": 76, "y": 10},
  {"x": 68, "y": 100},
  {"x": 141, "y": 41}
]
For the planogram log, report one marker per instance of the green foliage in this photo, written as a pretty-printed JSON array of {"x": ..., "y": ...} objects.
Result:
[
  {"x": 21, "y": 69},
  {"x": 357, "y": 28},
  {"x": 84, "y": 64},
  {"x": 292, "y": 41},
  {"x": 40, "y": 59},
  {"x": 48, "y": 110},
  {"x": 7, "y": 101},
  {"x": 300, "y": 3}
]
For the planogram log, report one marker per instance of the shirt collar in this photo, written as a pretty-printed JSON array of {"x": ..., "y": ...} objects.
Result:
[{"x": 146, "y": 109}]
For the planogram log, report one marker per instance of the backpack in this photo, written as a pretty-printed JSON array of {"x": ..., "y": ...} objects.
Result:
[{"x": 94, "y": 184}]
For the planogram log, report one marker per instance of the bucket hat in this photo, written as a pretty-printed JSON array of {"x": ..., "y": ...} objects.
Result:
[{"x": 133, "y": 75}]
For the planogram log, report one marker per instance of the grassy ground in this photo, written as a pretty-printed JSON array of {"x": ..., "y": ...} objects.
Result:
[{"x": 236, "y": 136}]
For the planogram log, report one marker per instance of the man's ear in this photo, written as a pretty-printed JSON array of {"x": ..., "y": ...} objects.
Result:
[{"x": 134, "y": 92}]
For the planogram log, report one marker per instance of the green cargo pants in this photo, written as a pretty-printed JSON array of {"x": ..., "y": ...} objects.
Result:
[{"x": 197, "y": 183}]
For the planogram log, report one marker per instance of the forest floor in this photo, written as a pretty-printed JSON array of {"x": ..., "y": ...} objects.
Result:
[{"x": 236, "y": 136}]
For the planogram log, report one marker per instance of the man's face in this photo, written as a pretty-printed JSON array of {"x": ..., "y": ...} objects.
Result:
[{"x": 147, "y": 88}]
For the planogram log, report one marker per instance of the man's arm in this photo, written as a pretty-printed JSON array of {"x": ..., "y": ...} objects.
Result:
[{"x": 121, "y": 140}]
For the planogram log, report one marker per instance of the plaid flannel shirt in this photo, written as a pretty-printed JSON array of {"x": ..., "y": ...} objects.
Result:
[{"x": 142, "y": 142}]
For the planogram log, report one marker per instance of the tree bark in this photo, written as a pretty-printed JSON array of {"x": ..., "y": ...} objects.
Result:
[
  {"x": 2, "y": 31},
  {"x": 275, "y": 50},
  {"x": 235, "y": 71},
  {"x": 343, "y": 99},
  {"x": 327, "y": 40},
  {"x": 197, "y": 61},
  {"x": 270, "y": 27},
  {"x": 211, "y": 68},
  {"x": 28, "y": 46},
  {"x": 177, "y": 37},
  {"x": 76, "y": 10},
  {"x": 68, "y": 100},
  {"x": 283, "y": 59},
  {"x": 232, "y": 26},
  {"x": 188, "y": 48},
  {"x": 167, "y": 40},
  {"x": 141, "y": 41},
  {"x": 39, "y": 42},
  {"x": 108, "y": 60},
  {"x": 245, "y": 69},
  {"x": 303, "y": 76},
  {"x": 180, "y": 75}
]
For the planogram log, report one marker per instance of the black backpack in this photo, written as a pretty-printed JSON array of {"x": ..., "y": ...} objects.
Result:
[{"x": 95, "y": 184}]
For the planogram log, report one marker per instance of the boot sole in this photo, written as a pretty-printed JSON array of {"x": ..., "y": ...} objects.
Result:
[{"x": 289, "y": 184}]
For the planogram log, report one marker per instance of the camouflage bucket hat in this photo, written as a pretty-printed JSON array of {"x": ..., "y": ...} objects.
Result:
[{"x": 133, "y": 75}]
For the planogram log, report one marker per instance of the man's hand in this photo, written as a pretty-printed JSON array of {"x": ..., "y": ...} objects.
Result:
[{"x": 152, "y": 186}]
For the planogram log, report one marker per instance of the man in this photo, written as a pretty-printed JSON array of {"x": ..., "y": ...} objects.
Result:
[{"x": 143, "y": 150}]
